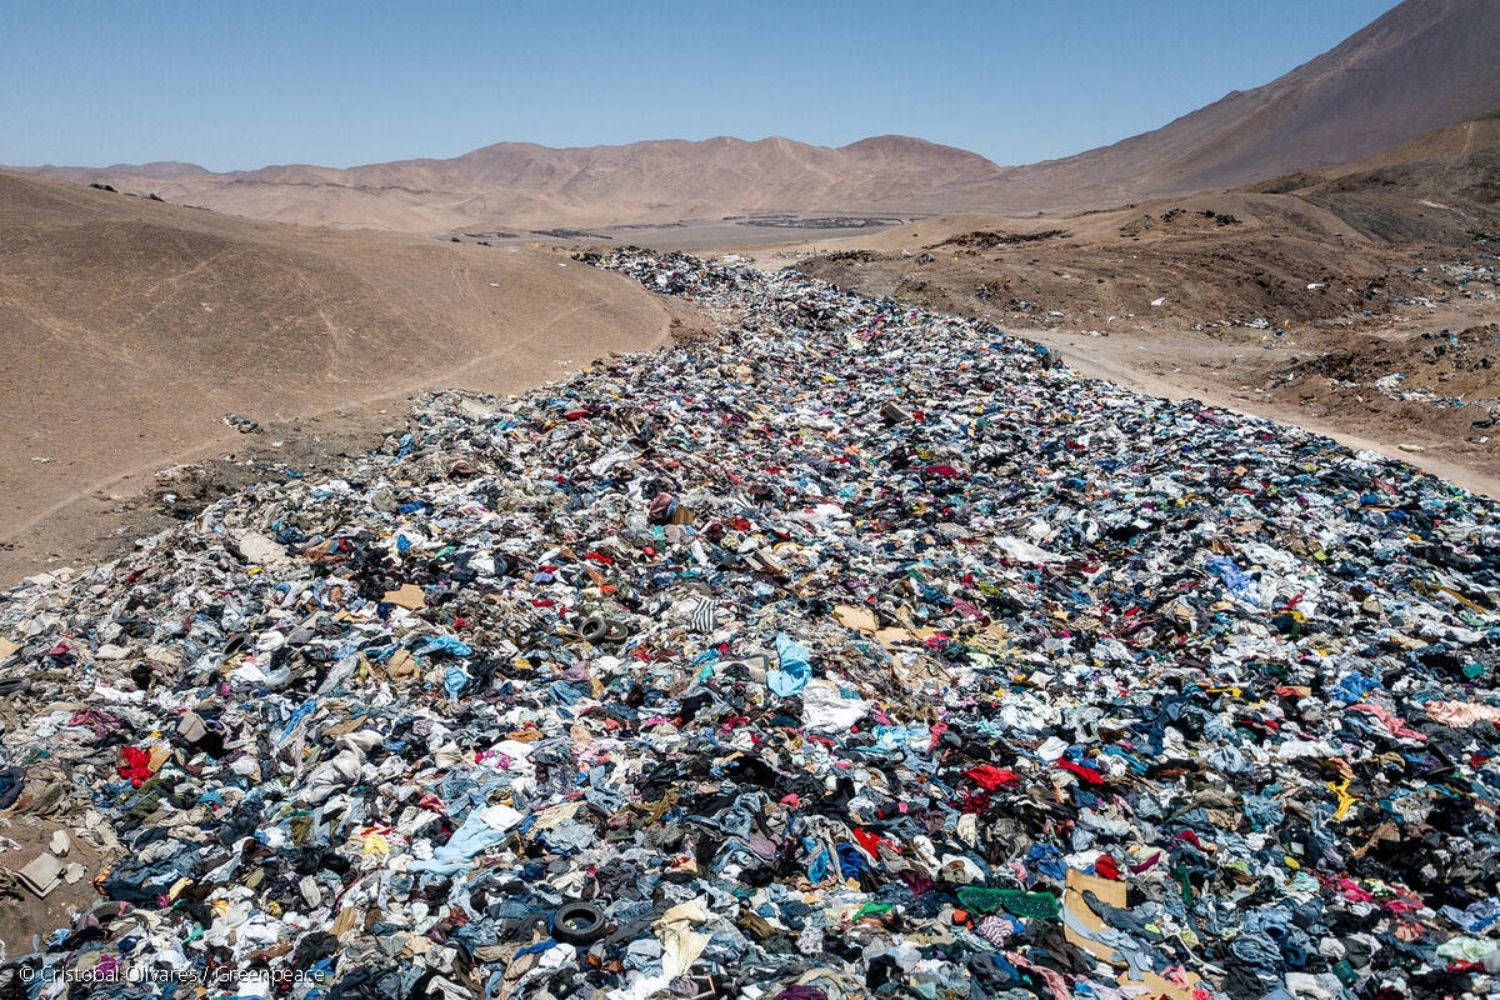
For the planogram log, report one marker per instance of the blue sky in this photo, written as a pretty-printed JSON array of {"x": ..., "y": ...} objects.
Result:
[{"x": 244, "y": 84}]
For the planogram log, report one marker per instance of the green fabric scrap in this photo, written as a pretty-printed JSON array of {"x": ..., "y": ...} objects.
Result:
[{"x": 1035, "y": 905}]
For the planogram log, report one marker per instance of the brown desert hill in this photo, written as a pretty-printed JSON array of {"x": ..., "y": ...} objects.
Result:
[
  {"x": 523, "y": 184},
  {"x": 1449, "y": 144},
  {"x": 1235, "y": 257},
  {"x": 129, "y": 329},
  {"x": 1422, "y": 65},
  {"x": 1440, "y": 188}
]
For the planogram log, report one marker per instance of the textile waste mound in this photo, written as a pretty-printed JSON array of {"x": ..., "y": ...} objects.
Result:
[{"x": 857, "y": 652}]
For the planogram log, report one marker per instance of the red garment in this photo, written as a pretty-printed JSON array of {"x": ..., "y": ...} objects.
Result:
[
  {"x": 991, "y": 777},
  {"x": 938, "y": 730},
  {"x": 869, "y": 841},
  {"x": 1107, "y": 867},
  {"x": 1088, "y": 774},
  {"x": 136, "y": 766}
]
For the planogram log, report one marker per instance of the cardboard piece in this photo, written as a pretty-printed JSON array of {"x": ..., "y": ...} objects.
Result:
[
  {"x": 1160, "y": 987},
  {"x": 890, "y": 638},
  {"x": 859, "y": 619},
  {"x": 1112, "y": 892},
  {"x": 408, "y": 596},
  {"x": 1109, "y": 891}
]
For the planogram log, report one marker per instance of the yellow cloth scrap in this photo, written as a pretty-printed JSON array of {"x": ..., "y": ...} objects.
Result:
[{"x": 1341, "y": 789}]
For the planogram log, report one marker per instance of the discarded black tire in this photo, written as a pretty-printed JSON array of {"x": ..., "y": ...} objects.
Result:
[
  {"x": 594, "y": 629},
  {"x": 578, "y": 923}
]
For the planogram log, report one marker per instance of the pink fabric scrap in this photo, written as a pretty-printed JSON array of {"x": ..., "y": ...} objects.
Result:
[
  {"x": 1462, "y": 714},
  {"x": 1392, "y": 724}
]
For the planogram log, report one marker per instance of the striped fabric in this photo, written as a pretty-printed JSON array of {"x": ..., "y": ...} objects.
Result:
[{"x": 704, "y": 618}]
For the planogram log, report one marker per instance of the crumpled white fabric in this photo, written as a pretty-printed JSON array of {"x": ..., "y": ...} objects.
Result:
[
  {"x": 1023, "y": 551},
  {"x": 331, "y": 775},
  {"x": 1052, "y": 749},
  {"x": 1295, "y": 749},
  {"x": 641, "y": 988},
  {"x": 681, "y": 944},
  {"x": 825, "y": 710}
]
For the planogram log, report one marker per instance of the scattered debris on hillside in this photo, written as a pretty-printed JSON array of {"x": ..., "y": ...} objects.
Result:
[
  {"x": 857, "y": 256},
  {"x": 988, "y": 239},
  {"x": 1148, "y": 221},
  {"x": 242, "y": 424},
  {"x": 1440, "y": 368}
]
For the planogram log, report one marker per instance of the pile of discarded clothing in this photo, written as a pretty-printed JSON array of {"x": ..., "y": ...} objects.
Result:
[{"x": 857, "y": 651}]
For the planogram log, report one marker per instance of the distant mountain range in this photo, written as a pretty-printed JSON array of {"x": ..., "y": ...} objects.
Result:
[
  {"x": 520, "y": 184},
  {"x": 1423, "y": 65}
]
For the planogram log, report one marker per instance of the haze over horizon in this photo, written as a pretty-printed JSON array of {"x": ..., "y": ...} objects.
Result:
[{"x": 236, "y": 88}]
